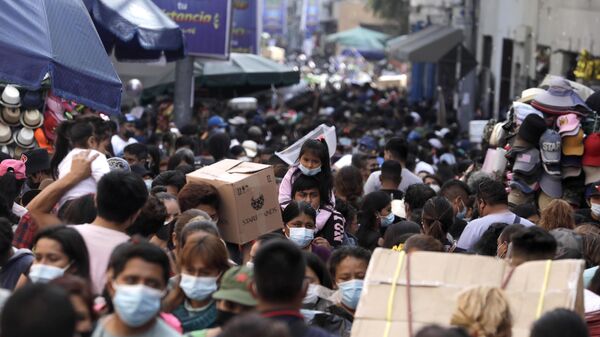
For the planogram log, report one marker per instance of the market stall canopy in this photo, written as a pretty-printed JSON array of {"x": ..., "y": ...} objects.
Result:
[
  {"x": 360, "y": 38},
  {"x": 427, "y": 45},
  {"x": 136, "y": 29},
  {"x": 57, "y": 37},
  {"x": 239, "y": 70}
]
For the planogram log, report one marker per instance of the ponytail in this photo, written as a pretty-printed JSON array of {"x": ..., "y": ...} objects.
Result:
[
  {"x": 61, "y": 146},
  {"x": 435, "y": 230}
]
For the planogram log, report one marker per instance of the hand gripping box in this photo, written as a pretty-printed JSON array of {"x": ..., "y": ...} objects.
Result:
[{"x": 249, "y": 198}]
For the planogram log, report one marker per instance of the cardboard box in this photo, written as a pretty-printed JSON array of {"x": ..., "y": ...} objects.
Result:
[
  {"x": 249, "y": 198},
  {"x": 437, "y": 279}
]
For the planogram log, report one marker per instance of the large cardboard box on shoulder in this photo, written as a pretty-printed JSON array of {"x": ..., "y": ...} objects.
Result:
[
  {"x": 249, "y": 198},
  {"x": 436, "y": 280}
]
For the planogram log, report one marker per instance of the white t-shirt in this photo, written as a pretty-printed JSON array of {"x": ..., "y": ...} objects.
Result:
[
  {"x": 475, "y": 228},
  {"x": 99, "y": 168},
  {"x": 100, "y": 243},
  {"x": 374, "y": 184},
  {"x": 118, "y": 144}
]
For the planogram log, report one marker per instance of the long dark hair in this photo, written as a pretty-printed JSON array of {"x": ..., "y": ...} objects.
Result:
[
  {"x": 295, "y": 208},
  {"x": 437, "y": 218},
  {"x": 75, "y": 133},
  {"x": 72, "y": 245},
  {"x": 10, "y": 187},
  {"x": 373, "y": 203},
  {"x": 325, "y": 177}
]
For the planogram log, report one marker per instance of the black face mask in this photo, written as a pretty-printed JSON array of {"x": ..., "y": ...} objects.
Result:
[
  {"x": 223, "y": 317},
  {"x": 32, "y": 185}
]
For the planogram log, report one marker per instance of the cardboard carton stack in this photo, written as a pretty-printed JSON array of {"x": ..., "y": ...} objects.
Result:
[{"x": 436, "y": 279}]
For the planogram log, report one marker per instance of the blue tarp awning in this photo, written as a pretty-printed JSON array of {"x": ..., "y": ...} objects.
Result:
[
  {"x": 136, "y": 30},
  {"x": 58, "y": 38}
]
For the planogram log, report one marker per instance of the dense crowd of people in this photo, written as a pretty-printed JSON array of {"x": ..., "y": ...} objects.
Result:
[{"x": 102, "y": 235}]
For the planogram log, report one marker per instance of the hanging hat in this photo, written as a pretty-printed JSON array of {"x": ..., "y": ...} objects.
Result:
[
  {"x": 529, "y": 95},
  {"x": 592, "y": 174},
  {"x": 10, "y": 116},
  {"x": 560, "y": 94},
  {"x": 10, "y": 97},
  {"x": 551, "y": 185},
  {"x": 532, "y": 128},
  {"x": 567, "y": 124},
  {"x": 573, "y": 145},
  {"x": 33, "y": 100},
  {"x": 569, "y": 171},
  {"x": 591, "y": 154},
  {"x": 522, "y": 110},
  {"x": 592, "y": 189},
  {"x": 527, "y": 162},
  {"x": 550, "y": 147},
  {"x": 571, "y": 161},
  {"x": 51, "y": 122},
  {"x": 552, "y": 169},
  {"x": 32, "y": 119},
  {"x": 498, "y": 135},
  {"x": 24, "y": 138},
  {"x": 523, "y": 186},
  {"x": 5, "y": 135},
  {"x": 517, "y": 197}
]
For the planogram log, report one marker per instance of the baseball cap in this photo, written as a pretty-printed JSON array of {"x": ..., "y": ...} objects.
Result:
[
  {"x": 591, "y": 154},
  {"x": 368, "y": 142},
  {"x": 543, "y": 200},
  {"x": 532, "y": 128},
  {"x": 573, "y": 145},
  {"x": 216, "y": 121},
  {"x": 250, "y": 147},
  {"x": 235, "y": 286},
  {"x": 553, "y": 169},
  {"x": 517, "y": 197},
  {"x": 592, "y": 174},
  {"x": 15, "y": 166},
  {"x": 529, "y": 95},
  {"x": 551, "y": 185},
  {"x": 550, "y": 146},
  {"x": 567, "y": 123},
  {"x": 592, "y": 190},
  {"x": 116, "y": 163},
  {"x": 571, "y": 161},
  {"x": 523, "y": 186},
  {"x": 36, "y": 160},
  {"x": 527, "y": 162},
  {"x": 570, "y": 171}
]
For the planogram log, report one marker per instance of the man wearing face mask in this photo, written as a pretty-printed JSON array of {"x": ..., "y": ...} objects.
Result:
[
  {"x": 124, "y": 136},
  {"x": 592, "y": 214},
  {"x": 37, "y": 166},
  {"x": 233, "y": 298},
  {"x": 138, "y": 273},
  {"x": 457, "y": 192}
]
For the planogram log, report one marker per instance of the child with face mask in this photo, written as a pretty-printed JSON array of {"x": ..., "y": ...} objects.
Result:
[
  {"x": 202, "y": 262},
  {"x": 314, "y": 162},
  {"x": 137, "y": 274}
]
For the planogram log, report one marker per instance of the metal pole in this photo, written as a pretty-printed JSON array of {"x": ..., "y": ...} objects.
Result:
[{"x": 184, "y": 75}]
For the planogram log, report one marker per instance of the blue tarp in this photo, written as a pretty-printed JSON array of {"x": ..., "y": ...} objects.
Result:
[
  {"x": 136, "y": 30},
  {"x": 57, "y": 37}
]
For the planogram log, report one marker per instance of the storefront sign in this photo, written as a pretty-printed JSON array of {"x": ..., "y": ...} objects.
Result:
[
  {"x": 245, "y": 31},
  {"x": 275, "y": 17}
]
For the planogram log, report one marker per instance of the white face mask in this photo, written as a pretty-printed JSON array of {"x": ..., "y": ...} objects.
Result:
[
  {"x": 250, "y": 264},
  {"x": 198, "y": 288},
  {"x": 595, "y": 209},
  {"x": 311, "y": 295},
  {"x": 43, "y": 273}
]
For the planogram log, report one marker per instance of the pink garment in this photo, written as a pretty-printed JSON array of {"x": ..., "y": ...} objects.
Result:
[
  {"x": 100, "y": 243},
  {"x": 285, "y": 196},
  {"x": 171, "y": 321}
]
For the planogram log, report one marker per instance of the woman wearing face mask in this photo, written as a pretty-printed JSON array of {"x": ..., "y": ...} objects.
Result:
[
  {"x": 202, "y": 262},
  {"x": 374, "y": 218},
  {"x": 299, "y": 227},
  {"x": 233, "y": 298},
  {"x": 319, "y": 282},
  {"x": 348, "y": 267},
  {"x": 58, "y": 250}
]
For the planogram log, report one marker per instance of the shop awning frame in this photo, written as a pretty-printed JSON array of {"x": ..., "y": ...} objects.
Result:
[{"x": 427, "y": 45}]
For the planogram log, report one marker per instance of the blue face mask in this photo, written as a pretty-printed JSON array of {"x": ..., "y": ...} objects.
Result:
[
  {"x": 136, "y": 304},
  {"x": 387, "y": 220},
  {"x": 462, "y": 214},
  {"x": 351, "y": 292},
  {"x": 309, "y": 172},
  {"x": 302, "y": 237},
  {"x": 197, "y": 288}
]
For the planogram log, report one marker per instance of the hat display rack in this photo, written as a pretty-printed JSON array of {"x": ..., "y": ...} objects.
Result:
[
  {"x": 21, "y": 115},
  {"x": 552, "y": 143}
]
